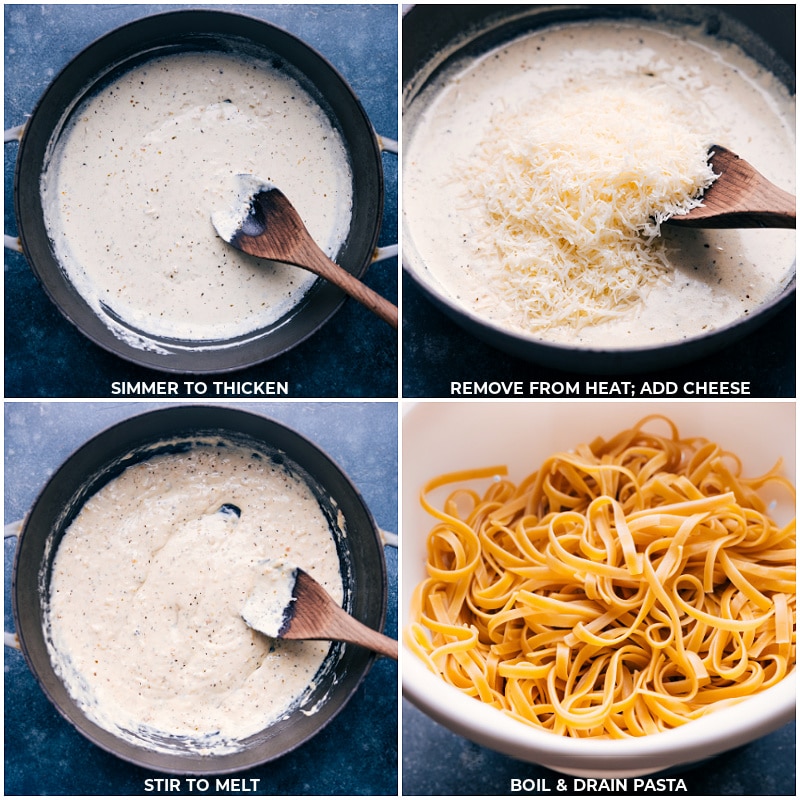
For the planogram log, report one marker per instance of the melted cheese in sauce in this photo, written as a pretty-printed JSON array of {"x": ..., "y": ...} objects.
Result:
[
  {"x": 714, "y": 277},
  {"x": 148, "y": 586},
  {"x": 129, "y": 191}
]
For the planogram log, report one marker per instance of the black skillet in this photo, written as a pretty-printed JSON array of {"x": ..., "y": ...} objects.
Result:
[
  {"x": 168, "y": 430},
  {"x": 161, "y": 34},
  {"x": 437, "y": 36}
]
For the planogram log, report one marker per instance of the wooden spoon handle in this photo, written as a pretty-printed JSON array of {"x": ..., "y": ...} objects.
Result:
[
  {"x": 355, "y": 632},
  {"x": 340, "y": 277},
  {"x": 278, "y": 233},
  {"x": 315, "y": 615}
]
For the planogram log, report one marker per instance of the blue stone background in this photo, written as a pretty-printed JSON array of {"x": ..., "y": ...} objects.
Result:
[{"x": 437, "y": 762}]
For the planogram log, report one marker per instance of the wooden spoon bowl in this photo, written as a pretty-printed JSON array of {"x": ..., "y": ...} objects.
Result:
[
  {"x": 302, "y": 609},
  {"x": 741, "y": 197},
  {"x": 273, "y": 229}
]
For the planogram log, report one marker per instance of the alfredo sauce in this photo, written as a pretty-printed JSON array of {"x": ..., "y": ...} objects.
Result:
[
  {"x": 149, "y": 582},
  {"x": 132, "y": 182}
]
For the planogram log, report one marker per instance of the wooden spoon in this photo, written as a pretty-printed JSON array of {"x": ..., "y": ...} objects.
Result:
[
  {"x": 741, "y": 197},
  {"x": 289, "y": 604},
  {"x": 273, "y": 229}
]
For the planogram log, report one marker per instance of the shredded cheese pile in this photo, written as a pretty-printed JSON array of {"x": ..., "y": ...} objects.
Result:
[{"x": 572, "y": 192}]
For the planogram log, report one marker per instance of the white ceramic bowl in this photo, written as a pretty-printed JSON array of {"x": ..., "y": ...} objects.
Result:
[{"x": 445, "y": 436}]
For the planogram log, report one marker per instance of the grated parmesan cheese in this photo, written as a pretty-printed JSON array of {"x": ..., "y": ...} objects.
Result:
[{"x": 571, "y": 194}]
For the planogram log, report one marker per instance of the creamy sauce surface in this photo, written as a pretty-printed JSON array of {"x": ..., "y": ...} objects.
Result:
[
  {"x": 130, "y": 187},
  {"x": 269, "y": 604},
  {"x": 148, "y": 587},
  {"x": 717, "y": 277}
]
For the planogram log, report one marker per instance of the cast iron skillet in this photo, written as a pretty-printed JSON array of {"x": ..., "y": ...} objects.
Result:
[
  {"x": 434, "y": 37},
  {"x": 161, "y": 34},
  {"x": 167, "y": 430}
]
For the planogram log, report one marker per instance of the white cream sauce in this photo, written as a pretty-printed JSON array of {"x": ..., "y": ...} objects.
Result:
[
  {"x": 147, "y": 592},
  {"x": 131, "y": 184},
  {"x": 229, "y": 217},
  {"x": 717, "y": 276},
  {"x": 269, "y": 603}
]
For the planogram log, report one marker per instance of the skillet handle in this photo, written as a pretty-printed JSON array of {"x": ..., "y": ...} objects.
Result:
[
  {"x": 12, "y": 135},
  {"x": 11, "y": 531},
  {"x": 387, "y": 145},
  {"x": 389, "y": 539},
  {"x": 390, "y": 250},
  {"x": 382, "y": 253}
]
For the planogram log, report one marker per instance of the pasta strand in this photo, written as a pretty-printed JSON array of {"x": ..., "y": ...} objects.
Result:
[{"x": 625, "y": 588}]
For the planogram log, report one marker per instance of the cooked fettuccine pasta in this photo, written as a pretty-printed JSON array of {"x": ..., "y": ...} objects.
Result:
[{"x": 624, "y": 588}]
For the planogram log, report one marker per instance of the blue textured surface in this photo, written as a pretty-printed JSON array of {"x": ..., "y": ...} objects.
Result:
[
  {"x": 437, "y": 762},
  {"x": 354, "y": 355},
  {"x": 356, "y": 754}
]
